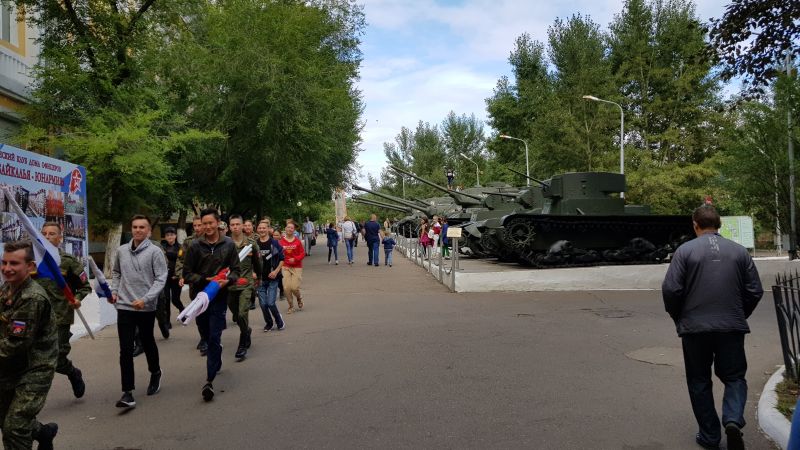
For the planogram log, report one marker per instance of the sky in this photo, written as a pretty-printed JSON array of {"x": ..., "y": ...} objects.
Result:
[{"x": 425, "y": 58}]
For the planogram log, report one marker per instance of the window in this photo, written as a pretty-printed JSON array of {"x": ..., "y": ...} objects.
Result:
[{"x": 8, "y": 23}]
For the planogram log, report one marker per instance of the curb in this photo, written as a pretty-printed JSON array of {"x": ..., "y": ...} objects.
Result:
[{"x": 772, "y": 422}]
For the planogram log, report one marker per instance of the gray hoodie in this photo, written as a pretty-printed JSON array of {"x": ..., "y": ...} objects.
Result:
[{"x": 139, "y": 274}]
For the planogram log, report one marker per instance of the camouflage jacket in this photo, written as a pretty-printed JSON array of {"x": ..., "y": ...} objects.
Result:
[
  {"x": 73, "y": 272},
  {"x": 182, "y": 254},
  {"x": 251, "y": 263},
  {"x": 28, "y": 337}
]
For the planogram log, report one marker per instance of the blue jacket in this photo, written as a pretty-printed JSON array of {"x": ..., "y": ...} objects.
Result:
[
  {"x": 388, "y": 243},
  {"x": 711, "y": 285},
  {"x": 333, "y": 237}
]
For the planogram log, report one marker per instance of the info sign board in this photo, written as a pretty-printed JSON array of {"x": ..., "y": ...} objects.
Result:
[
  {"x": 48, "y": 190},
  {"x": 739, "y": 229}
]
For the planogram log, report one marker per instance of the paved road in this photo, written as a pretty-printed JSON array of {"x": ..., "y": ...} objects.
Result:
[{"x": 388, "y": 358}]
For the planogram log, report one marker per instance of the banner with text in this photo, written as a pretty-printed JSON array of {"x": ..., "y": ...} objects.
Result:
[{"x": 48, "y": 190}]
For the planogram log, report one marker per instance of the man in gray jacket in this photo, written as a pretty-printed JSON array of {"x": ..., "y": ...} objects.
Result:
[
  {"x": 139, "y": 276},
  {"x": 711, "y": 288}
]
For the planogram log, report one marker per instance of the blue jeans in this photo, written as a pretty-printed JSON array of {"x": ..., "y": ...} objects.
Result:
[
  {"x": 335, "y": 250},
  {"x": 373, "y": 247},
  {"x": 212, "y": 321},
  {"x": 267, "y": 296},
  {"x": 348, "y": 243},
  {"x": 388, "y": 256},
  {"x": 726, "y": 352}
]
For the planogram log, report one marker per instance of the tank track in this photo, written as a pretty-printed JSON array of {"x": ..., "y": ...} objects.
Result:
[{"x": 520, "y": 233}]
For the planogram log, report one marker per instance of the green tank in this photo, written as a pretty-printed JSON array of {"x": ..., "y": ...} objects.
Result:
[
  {"x": 581, "y": 222},
  {"x": 408, "y": 226}
]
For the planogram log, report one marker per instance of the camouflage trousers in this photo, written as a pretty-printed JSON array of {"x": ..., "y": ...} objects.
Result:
[
  {"x": 19, "y": 407},
  {"x": 239, "y": 305},
  {"x": 64, "y": 365}
]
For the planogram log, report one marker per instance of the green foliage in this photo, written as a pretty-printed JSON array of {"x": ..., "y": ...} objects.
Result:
[{"x": 754, "y": 36}]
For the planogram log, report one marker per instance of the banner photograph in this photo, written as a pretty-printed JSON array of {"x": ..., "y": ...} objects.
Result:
[{"x": 47, "y": 190}]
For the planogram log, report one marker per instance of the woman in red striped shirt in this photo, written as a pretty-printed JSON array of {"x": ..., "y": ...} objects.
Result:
[{"x": 293, "y": 254}]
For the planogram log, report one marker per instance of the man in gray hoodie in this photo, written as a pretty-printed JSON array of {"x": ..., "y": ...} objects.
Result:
[{"x": 139, "y": 276}]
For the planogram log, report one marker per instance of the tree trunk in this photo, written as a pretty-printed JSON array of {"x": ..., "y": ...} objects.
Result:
[
  {"x": 182, "y": 226},
  {"x": 112, "y": 244}
]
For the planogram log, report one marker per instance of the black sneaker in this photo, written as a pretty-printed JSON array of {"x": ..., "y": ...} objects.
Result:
[
  {"x": 155, "y": 383},
  {"x": 241, "y": 353},
  {"x": 200, "y": 344},
  {"x": 734, "y": 434},
  {"x": 76, "y": 380},
  {"x": 707, "y": 445},
  {"x": 126, "y": 401},
  {"x": 45, "y": 436},
  {"x": 137, "y": 350},
  {"x": 268, "y": 328},
  {"x": 282, "y": 327},
  {"x": 208, "y": 392},
  {"x": 204, "y": 348}
]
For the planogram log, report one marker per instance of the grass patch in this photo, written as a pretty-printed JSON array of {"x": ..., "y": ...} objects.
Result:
[{"x": 787, "y": 392}]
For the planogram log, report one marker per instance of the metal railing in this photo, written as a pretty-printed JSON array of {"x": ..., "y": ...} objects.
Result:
[
  {"x": 444, "y": 270},
  {"x": 786, "y": 293}
]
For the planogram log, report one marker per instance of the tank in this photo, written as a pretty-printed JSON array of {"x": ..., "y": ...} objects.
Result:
[
  {"x": 408, "y": 225},
  {"x": 367, "y": 201},
  {"x": 581, "y": 222}
]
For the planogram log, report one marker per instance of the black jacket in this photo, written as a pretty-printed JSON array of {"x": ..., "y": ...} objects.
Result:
[
  {"x": 205, "y": 260},
  {"x": 172, "y": 252},
  {"x": 711, "y": 285}
]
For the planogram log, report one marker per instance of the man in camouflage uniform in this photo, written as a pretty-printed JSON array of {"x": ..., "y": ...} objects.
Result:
[
  {"x": 239, "y": 298},
  {"x": 28, "y": 351},
  {"x": 197, "y": 226},
  {"x": 75, "y": 276}
]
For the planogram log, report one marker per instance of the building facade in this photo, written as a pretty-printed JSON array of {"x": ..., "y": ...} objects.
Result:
[{"x": 19, "y": 53}]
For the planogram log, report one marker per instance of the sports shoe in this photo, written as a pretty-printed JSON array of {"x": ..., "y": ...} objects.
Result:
[
  {"x": 45, "y": 436},
  {"x": 126, "y": 401},
  {"x": 337, "y": 263},
  {"x": 203, "y": 348},
  {"x": 208, "y": 392},
  {"x": 281, "y": 328},
  {"x": 241, "y": 354},
  {"x": 200, "y": 344},
  {"x": 734, "y": 434},
  {"x": 76, "y": 380},
  {"x": 266, "y": 328},
  {"x": 705, "y": 444},
  {"x": 155, "y": 383}
]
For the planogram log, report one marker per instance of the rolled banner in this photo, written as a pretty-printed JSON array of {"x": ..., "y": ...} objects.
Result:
[
  {"x": 202, "y": 299},
  {"x": 101, "y": 287}
]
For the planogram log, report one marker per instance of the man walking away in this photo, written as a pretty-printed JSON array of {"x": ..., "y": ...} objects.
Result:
[
  {"x": 710, "y": 290},
  {"x": 138, "y": 277},
  {"x": 240, "y": 292},
  {"x": 28, "y": 351},
  {"x": 205, "y": 259},
  {"x": 75, "y": 276},
  {"x": 309, "y": 233},
  {"x": 372, "y": 234}
]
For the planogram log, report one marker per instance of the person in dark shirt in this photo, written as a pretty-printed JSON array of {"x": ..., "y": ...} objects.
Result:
[
  {"x": 271, "y": 254},
  {"x": 372, "y": 234},
  {"x": 172, "y": 250},
  {"x": 333, "y": 243},
  {"x": 206, "y": 258},
  {"x": 710, "y": 289}
]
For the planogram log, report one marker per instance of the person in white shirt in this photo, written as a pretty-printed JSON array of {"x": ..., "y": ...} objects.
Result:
[
  {"x": 349, "y": 236},
  {"x": 309, "y": 233}
]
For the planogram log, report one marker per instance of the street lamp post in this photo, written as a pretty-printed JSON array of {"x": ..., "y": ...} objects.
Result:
[
  {"x": 621, "y": 133},
  {"x": 477, "y": 169},
  {"x": 527, "y": 164}
]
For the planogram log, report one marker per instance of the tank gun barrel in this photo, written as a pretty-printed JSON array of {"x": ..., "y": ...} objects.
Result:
[
  {"x": 455, "y": 195},
  {"x": 391, "y": 198},
  {"x": 542, "y": 183},
  {"x": 382, "y": 205}
]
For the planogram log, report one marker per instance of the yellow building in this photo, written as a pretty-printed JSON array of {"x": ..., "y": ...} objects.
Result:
[{"x": 19, "y": 52}]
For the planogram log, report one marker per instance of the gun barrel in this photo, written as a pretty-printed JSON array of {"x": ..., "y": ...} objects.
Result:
[
  {"x": 389, "y": 197},
  {"x": 367, "y": 201},
  {"x": 542, "y": 183},
  {"x": 436, "y": 186}
]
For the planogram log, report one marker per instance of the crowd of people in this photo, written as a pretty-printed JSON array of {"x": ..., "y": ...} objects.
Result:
[{"x": 374, "y": 234}]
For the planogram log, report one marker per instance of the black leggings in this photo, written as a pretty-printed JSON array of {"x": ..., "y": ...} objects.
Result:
[{"x": 127, "y": 324}]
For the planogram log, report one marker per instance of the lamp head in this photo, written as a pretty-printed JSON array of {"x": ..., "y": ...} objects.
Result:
[
  {"x": 504, "y": 136},
  {"x": 591, "y": 97}
]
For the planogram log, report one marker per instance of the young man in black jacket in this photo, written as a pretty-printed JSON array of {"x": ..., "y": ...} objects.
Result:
[
  {"x": 204, "y": 260},
  {"x": 711, "y": 288}
]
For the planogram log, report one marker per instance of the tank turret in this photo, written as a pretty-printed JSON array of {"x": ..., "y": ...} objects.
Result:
[
  {"x": 462, "y": 198},
  {"x": 391, "y": 198}
]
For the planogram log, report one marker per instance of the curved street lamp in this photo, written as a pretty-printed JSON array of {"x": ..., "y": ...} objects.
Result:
[
  {"x": 621, "y": 133},
  {"x": 527, "y": 165},
  {"x": 477, "y": 170}
]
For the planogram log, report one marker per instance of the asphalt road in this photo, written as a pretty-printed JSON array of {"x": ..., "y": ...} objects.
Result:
[{"x": 388, "y": 358}]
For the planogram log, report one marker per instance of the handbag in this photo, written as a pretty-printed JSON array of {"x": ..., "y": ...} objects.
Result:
[{"x": 312, "y": 241}]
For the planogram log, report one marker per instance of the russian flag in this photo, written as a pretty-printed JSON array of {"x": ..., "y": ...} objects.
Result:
[{"x": 48, "y": 260}]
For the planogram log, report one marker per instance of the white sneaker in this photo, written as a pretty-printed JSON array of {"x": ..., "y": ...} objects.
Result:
[{"x": 337, "y": 263}]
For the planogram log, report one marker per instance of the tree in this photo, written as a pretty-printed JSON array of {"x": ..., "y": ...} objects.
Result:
[
  {"x": 753, "y": 38},
  {"x": 462, "y": 135}
]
